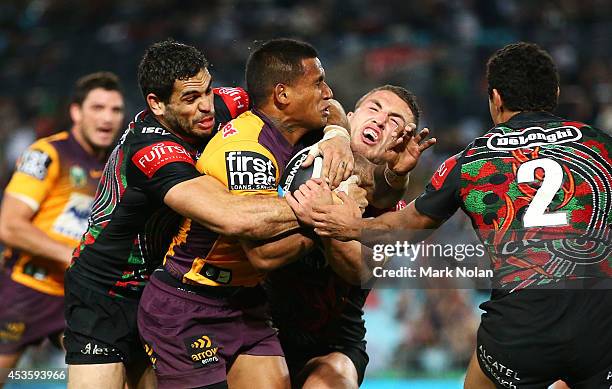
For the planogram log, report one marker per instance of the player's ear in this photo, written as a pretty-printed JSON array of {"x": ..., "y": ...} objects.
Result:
[
  {"x": 75, "y": 113},
  {"x": 350, "y": 115},
  {"x": 281, "y": 94},
  {"x": 497, "y": 100},
  {"x": 155, "y": 104}
]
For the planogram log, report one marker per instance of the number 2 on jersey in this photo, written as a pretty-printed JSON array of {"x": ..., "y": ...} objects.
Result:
[{"x": 536, "y": 215}]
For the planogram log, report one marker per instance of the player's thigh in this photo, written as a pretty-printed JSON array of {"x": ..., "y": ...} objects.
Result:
[
  {"x": 331, "y": 371},
  {"x": 8, "y": 361},
  {"x": 140, "y": 375},
  {"x": 259, "y": 371},
  {"x": 94, "y": 376},
  {"x": 475, "y": 378}
]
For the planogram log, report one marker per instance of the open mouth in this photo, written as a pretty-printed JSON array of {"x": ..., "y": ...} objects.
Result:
[
  {"x": 370, "y": 136},
  {"x": 105, "y": 131},
  {"x": 207, "y": 122}
]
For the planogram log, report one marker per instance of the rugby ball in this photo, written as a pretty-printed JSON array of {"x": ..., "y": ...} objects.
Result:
[{"x": 295, "y": 175}]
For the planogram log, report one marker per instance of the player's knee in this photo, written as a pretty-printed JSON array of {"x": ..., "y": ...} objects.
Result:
[{"x": 332, "y": 371}]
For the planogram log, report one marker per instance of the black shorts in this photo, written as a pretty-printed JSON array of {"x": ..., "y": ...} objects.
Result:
[
  {"x": 99, "y": 328},
  {"x": 530, "y": 338},
  {"x": 298, "y": 356}
]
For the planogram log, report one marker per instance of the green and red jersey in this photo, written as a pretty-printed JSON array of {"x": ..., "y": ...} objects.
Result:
[{"x": 538, "y": 190}]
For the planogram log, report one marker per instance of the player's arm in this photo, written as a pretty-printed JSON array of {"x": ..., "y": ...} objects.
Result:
[
  {"x": 439, "y": 201},
  {"x": 208, "y": 202},
  {"x": 335, "y": 147},
  {"x": 345, "y": 260},
  {"x": 271, "y": 254},
  {"x": 341, "y": 222},
  {"x": 17, "y": 231},
  {"x": 36, "y": 173}
]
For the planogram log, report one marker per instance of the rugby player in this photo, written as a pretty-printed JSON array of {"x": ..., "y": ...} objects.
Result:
[
  {"x": 44, "y": 214},
  {"x": 537, "y": 189},
  {"x": 149, "y": 180},
  {"x": 221, "y": 336},
  {"x": 317, "y": 303}
]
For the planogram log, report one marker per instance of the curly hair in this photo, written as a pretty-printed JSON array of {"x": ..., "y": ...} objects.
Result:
[
  {"x": 277, "y": 61},
  {"x": 408, "y": 97},
  {"x": 165, "y": 62},
  {"x": 525, "y": 76}
]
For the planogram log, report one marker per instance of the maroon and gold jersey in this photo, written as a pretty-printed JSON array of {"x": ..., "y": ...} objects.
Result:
[
  {"x": 538, "y": 190},
  {"x": 57, "y": 178},
  {"x": 247, "y": 156}
]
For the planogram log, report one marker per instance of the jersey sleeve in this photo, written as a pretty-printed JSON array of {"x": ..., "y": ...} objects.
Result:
[
  {"x": 440, "y": 200},
  {"x": 230, "y": 103},
  {"x": 245, "y": 167},
  {"x": 35, "y": 174},
  {"x": 156, "y": 167}
]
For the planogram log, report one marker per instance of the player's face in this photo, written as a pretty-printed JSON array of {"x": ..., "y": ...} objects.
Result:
[
  {"x": 372, "y": 123},
  {"x": 190, "y": 111},
  {"x": 99, "y": 117},
  {"x": 311, "y": 96}
]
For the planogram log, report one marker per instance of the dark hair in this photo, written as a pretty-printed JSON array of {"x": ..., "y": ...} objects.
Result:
[
  {"x": 525, "y": 76},
  {"x": 400, "y": 92},
  {"x": 87, "y": 83},
  {"x": 165, "y": 62},
  {"x": 276, "y": 61}
]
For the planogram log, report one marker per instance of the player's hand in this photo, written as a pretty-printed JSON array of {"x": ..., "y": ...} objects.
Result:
[
  {"x": 338, "y": 161},
  {"x": 355, "y": 192},
  {"x": 342, "y": 221},
  {"x": 403, "y": 154},
  {"x": 310, "y": 194}
]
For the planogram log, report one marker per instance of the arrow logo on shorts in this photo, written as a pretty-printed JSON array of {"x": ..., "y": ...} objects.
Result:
[{"x": 203, "y": 342}]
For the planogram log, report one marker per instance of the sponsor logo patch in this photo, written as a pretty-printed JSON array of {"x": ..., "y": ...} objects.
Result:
[
  {"x": 236, "y": 99},
  {"x": 154, "y": 130},
  {"x": 151, "y": 354},
  {"x": 201, "y": 350},
  {"x": 151, "y": 158},
  {"x": 228, "y": 130},
  {"x": 94, "y": 349},
  {"x": 532, "y": 137},
  {"x": 72, "y": 222},
  {"x": 34, "y": 163},
  {"x": 78, "y": 177},
  {"x": 440, "y": 175},
  {"x": 217, "y": 274},
  {"x": 248, "y": 170},
  {"x": 11, "y": 332}
]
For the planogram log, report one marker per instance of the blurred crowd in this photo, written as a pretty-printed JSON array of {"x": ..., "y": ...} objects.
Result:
[{"x": 436, "y": 48}]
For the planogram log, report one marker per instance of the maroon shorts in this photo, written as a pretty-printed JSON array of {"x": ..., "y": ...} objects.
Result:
[
  {"x": 192, "y": 338},
  {"x": 27, "y": 316}
]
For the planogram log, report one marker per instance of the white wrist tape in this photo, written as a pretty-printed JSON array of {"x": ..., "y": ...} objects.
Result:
[
  {"x": 331, "y": 131},
  {"x": 343, "y": 187}
]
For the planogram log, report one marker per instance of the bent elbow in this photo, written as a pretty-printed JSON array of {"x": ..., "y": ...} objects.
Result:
[
  {"x": 5, "y": 232},
  {"x": 262, "y": 265}
]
